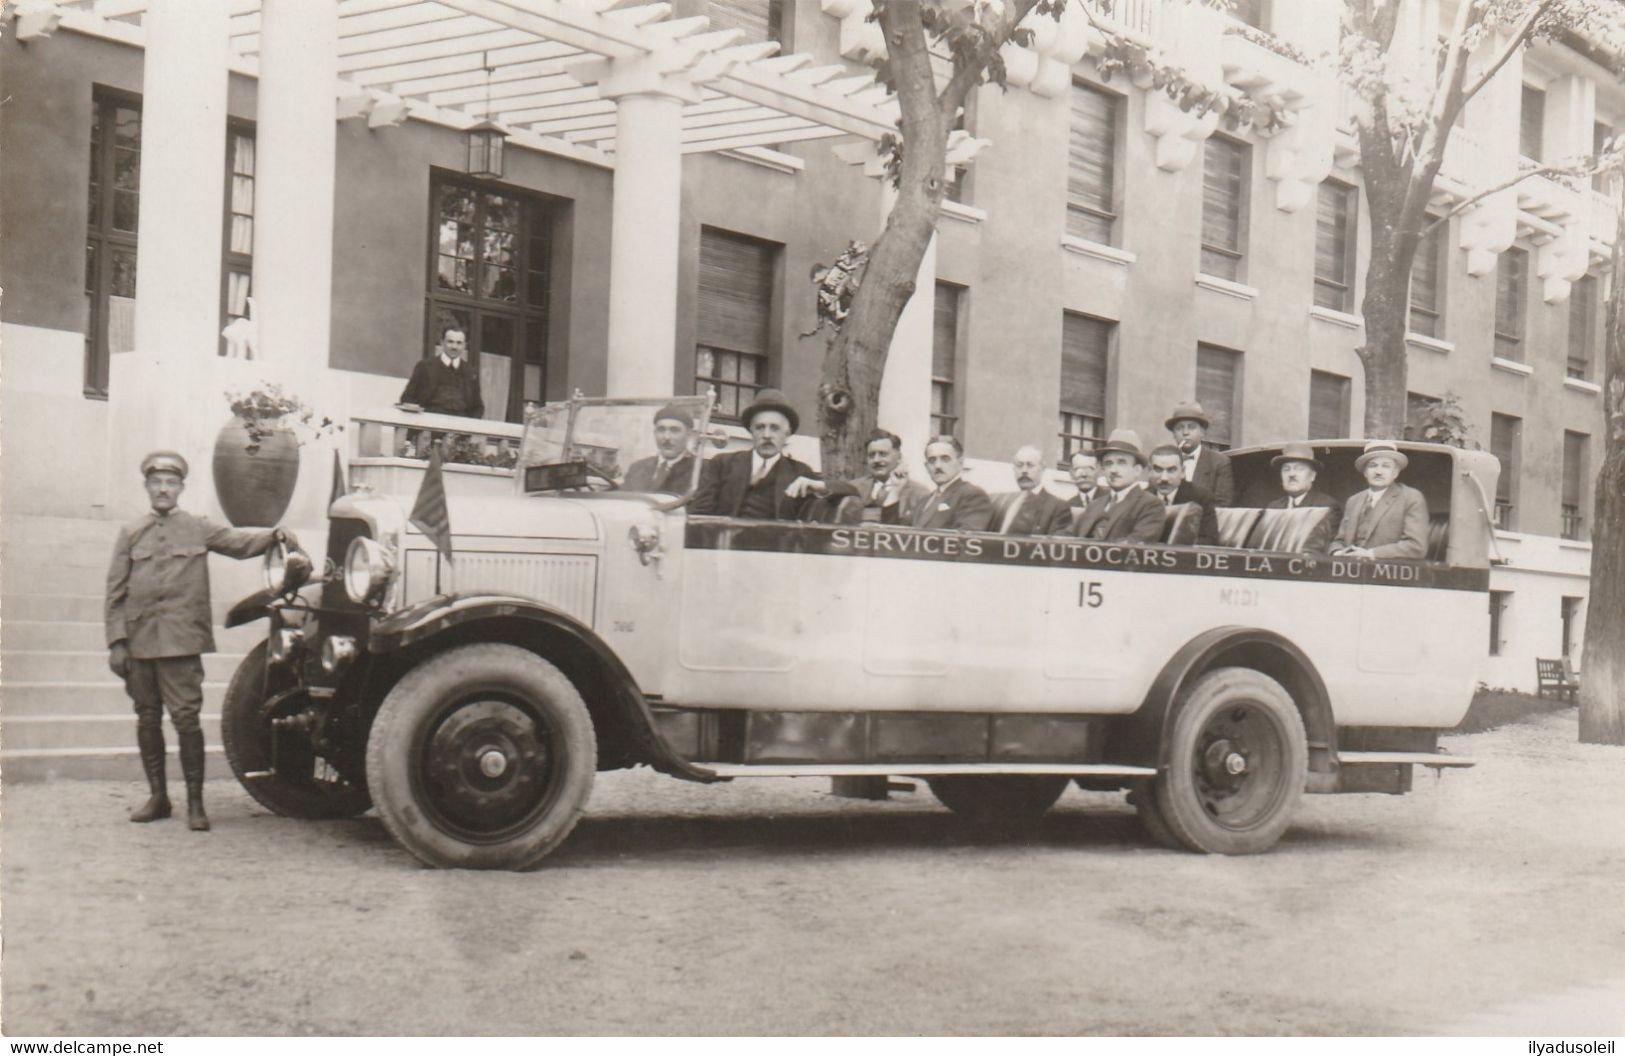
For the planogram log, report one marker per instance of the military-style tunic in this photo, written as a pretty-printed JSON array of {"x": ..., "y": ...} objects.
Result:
[{"x": 158, "y": 582}]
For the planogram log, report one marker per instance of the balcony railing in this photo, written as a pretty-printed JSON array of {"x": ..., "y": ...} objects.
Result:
[
  {"x": 1572, "y": 521},
  {"x": 390, "y": 450}
]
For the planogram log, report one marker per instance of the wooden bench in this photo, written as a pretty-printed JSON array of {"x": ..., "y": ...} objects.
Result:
[{"x": 1555, "y": 676}]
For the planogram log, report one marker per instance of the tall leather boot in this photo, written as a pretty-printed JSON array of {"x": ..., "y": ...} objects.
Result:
[
  {"x": 150, "y": 739},
  {"x": 192, "y": 768}
]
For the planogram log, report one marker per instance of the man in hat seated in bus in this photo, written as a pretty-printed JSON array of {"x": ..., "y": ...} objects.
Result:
[
  {"x": 1030, "y": 509},
  {"x": 1388, "y": 519},
  {"x": 763, "y": 482},
  {"x": 671, "y": 469},
  {"x": 1168, "y": 484},
  {"x": 1206, "y": 468},
  {"x": 1298, "y": 467},
  {"x": 955, "y": 503},
  {"x": 1126, "y": 511}
]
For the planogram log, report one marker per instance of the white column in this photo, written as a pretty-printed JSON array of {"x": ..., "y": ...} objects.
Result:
[
  {"x": 296, "y": 149},
  {"x": 643, "y": 243},
  {"x": 158, "y": 392},
  {"x": 905, "y": 387}
]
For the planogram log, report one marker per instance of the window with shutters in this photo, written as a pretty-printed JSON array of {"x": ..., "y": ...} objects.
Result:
[
  {"x": 1582, "y": 327},
  {"x": 238, "y": 266},
  {"x": 945, "y": 360},
  {"x": 1334, "y": 245},
  {"x": 1505, "y": 441},
  {"x": 733, "y": 334},
  {"x": 1511, "y": 291},
  {"x": 1328, "y": 405},
  {"x": 1427, "y": 285},
  {"x": 760, "y": 20},
  {"x": 1091, "y": 178},
  {"x": 1601, "y": 133},
  {"x": 1218, "y": 390},
  {"x": 1575, "y": 457},
  {"x": 491, "y": 251},
  {"x": 1085, "y": 353},
  {"x": 1532, "y": 123},
  {"x": 1224, "y": 207}
]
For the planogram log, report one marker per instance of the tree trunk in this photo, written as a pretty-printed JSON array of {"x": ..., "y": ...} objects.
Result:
[
  {"x": 1386, "y": 308},
  {"x": 855, "y": 360},
  {"x": 1602, "y": 679}
]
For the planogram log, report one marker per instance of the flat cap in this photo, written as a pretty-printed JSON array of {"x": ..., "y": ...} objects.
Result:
[{"x": 675, "y": 413}]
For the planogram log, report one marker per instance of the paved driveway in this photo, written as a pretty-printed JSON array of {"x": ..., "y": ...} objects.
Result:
[{"x": 1487, "y": 902}]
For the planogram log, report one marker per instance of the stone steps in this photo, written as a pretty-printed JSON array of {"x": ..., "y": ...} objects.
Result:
[
  {"x": 42, "y": 666},
  {"x": 119, "y": 764},
  {"x": 29, "y": 734}
]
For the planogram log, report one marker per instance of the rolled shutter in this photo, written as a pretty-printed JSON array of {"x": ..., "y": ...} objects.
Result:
[
  {"x": 1216, "y": 392},
  {"x": 1085, "y": 342},
  {"x": 736, "y": 292}
]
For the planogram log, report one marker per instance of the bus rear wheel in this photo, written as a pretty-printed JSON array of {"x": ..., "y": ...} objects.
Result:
[{"x": 1235, "y": 766}]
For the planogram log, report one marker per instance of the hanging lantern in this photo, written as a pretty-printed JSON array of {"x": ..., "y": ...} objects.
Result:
[
  {"x": 485, "y": 142},
  {"x": 485, "y": 139}
]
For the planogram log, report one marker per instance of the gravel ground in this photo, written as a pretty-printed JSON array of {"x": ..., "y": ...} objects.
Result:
[{"x": 1489, "y": 902}]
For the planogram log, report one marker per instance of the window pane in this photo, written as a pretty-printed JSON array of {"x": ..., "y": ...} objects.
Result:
[
  {"x": 1504, "y": 442},
  {"x": 945, "y": 331},
  {"x": 1223, "y": 184},
  {"x": 1582, "y": 326},
  {"x": 1510, "y": 291},
  {"x": 1425, "y": 300},
  {"x": 1573, "y": 467},
  {"x": 1333, "y": 231},
  {"x": 1532, "y": 123},
  {"x": 1216, "y": 370}
]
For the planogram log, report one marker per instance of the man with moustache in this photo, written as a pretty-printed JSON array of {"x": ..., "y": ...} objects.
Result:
[
  {"x": 1126, "y": 511},
  {"x": 1085, "y": 469},
  {"x": 1388, "y": 519},
  {"x": 1030, "y": 510},
  {"x": 955, "y": 503},
  {"x": 671, "y": 469},
  {"x": 888, "y": 496},
  {"x": 763, "y": 482},
  {"x": 1204, "y": 467},
  {"x": 1298, "y": 468},
  {"x": 1169, "y": 485}
]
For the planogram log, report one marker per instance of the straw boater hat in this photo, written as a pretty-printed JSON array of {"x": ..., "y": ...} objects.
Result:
[
  {"x": 1191, "y": 410},
  {"x": 771, "y": 400},
  {"x": 158, "y": 460},
  {"x": 1125, "y": 441},
  {"x": 1297, "y": 453},
  {"x": 1373, "y": 448}
]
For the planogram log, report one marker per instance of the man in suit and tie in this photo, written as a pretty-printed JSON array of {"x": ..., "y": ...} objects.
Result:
[
  {"x": 955, "y": 503},
  {"x": 763, "y": 482},
  {"x": 1030, "y": 510},
  {"x": 1086, "y": 477},
  {"x": 888, "y": 496},
  {"x": 1388, "y": 519},
  {"x": 1298, "y": 467},
  {"x": 1126, "y": 511},
  {"x": 1169, "y": 485},
  {"x": 1206, "y": 468},
  {"x": 671, "y": 468}
]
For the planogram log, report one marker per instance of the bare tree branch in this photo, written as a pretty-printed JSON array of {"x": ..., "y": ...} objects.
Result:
[
  {"x": 1520, "y": 36},
  {"x": 1576, "y": 167},
  {"x": 967, "y": 75}
]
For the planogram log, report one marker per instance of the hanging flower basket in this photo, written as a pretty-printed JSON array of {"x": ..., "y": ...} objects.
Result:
[{"x": 256, "y": 454}]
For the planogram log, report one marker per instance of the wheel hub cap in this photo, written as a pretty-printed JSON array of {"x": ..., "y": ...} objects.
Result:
[
  {"x": 493, "y": 763},
  {"x": 487, "y": 765}
]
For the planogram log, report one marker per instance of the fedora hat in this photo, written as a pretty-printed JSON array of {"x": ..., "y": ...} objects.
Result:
[
  {"x": 770, "y": 400},
  {"x": 1189, "y": 409},
  {"x": 1123, "y": 441},
  {"x": 1373, "y": 448},
  {"x": 1296, "y": 453}
]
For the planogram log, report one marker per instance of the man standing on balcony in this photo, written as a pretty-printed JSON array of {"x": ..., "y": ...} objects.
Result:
[
  {"x": 159, "y": 622},
  {"x": 446, "y": 383}
]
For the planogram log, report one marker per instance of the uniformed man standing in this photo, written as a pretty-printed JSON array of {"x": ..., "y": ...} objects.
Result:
[{"x": 159, "y": 622}]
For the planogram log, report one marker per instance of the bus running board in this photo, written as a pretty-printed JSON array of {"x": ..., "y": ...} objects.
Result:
[
  {"x": 922, "y": 769},
  {"x": 1419, "y": 758}
]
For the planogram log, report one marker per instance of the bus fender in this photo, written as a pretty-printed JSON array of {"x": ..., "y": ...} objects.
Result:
[
  {"x": 487, "y": 617},
  {"x": 1141, "y": 738}
]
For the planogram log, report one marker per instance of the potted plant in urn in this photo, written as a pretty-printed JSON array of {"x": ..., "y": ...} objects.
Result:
[{"x": 256, "y": 454}]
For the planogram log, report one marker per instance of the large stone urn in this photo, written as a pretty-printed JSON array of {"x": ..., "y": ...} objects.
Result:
[{"x": 255, "y": 482}]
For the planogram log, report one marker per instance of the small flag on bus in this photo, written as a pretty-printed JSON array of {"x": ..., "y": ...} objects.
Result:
[{"x": 429, "y": 511}]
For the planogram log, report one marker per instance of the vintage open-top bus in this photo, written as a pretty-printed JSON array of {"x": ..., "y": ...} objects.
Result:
[{"x": 583, "y": 627}]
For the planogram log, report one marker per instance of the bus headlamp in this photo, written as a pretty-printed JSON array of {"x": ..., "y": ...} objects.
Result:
[
  {"x": 286, "y": 569},
  {"x": 368, "y": 568}
]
